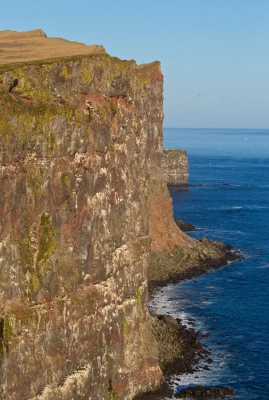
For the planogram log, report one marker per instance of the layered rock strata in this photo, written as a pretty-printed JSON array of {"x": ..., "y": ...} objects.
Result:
[{"x": 80, "y": 159}]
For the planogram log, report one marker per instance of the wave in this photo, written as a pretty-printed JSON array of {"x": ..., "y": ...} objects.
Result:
[
  {"x": 249, "y": 208},
  {"x": 264, "y": 266}
]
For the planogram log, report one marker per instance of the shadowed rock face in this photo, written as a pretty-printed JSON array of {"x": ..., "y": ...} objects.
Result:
[{"x": 80, "y": 170}]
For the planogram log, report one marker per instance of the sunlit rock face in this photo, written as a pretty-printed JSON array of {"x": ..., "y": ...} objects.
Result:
[{"x": 80, "y": 161}]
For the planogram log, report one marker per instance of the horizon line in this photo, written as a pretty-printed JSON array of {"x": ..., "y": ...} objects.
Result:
[{"x": 200, "y": 127}]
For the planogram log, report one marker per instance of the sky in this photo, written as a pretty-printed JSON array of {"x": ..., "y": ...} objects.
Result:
[{"x": 214, "y": 53}]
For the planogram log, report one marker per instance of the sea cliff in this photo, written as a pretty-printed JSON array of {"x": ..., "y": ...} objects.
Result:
[
  {"x": 84, "y": 207},
  {"x": 81, "y": 141}
]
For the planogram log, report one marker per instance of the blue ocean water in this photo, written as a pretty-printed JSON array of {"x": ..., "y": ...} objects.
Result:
[{"x": 227, "y": 200}]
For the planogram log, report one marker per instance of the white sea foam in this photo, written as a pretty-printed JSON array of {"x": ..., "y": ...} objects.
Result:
[{"x": 263, "y": 266}]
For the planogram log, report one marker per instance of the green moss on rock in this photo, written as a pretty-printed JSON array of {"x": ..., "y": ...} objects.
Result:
[
  {"x": 47, "y": 238},
  {"x": 138, "y": 296},
  {"x": 125, "y": 326},
  {"x": 66, "y": 179}
]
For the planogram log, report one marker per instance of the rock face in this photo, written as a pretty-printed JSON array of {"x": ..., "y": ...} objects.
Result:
[
  {"x": 80, "y": 173},
  {"x": 176, "y": 167}
]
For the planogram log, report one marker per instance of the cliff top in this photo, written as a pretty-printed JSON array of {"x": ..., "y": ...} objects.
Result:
[{"x": 35, "y": 45}]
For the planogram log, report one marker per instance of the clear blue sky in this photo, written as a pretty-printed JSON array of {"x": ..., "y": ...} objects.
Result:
[{"x": 218, "y": 49}]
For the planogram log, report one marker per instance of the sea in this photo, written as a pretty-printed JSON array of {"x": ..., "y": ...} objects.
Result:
[{"x": 227, "y": 200}]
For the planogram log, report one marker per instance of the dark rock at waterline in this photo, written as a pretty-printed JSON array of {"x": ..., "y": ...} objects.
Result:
[
  {"x": 188, "y": 262},
  {"x": 185, "y": 227},
  {"x": 191, "y": 319},
  {"x": 179, "y": 347},
  {"x": 204, "y": 392},
  {"x": 163, "y": 391}
]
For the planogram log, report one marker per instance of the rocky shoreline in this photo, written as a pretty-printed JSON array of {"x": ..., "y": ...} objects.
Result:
[
  {"x": 186, "y": 263},
  {"x": 180, "y": 347}
]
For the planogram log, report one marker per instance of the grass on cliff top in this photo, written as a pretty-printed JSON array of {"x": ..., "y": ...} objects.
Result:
[
  {"x": 39, "y": 62},
  {"x": 154, "y": 66},
  {"x": 11, "y": 66}
]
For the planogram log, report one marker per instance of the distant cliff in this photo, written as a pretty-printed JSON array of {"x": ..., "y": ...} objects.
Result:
[{"x": 176, "y": 167}]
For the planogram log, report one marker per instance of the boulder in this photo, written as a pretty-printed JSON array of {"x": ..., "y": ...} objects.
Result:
[{"x": 184, "y": 226}]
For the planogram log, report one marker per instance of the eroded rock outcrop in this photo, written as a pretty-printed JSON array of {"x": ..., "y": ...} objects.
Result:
[{"x": 81, "y": 150}]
